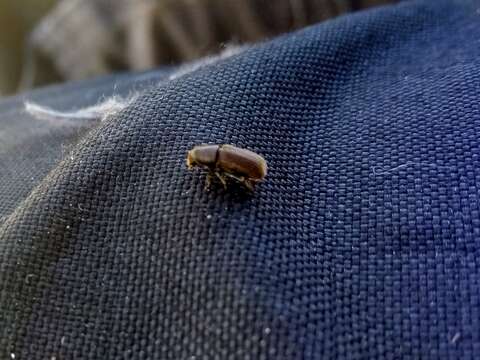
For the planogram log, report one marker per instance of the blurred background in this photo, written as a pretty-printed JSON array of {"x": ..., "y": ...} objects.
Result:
[{"x": 47, "y": 41}]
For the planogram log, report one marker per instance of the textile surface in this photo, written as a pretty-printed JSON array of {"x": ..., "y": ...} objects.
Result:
[{"x": 363, "y": 242}]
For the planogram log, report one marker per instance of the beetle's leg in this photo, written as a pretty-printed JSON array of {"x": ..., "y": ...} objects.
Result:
[
  {"x": 248, "y": 184},
  {"x": 235, "y": 177},
  {"x": 222, "y": 179},
  {"x": 208, "y": 181},
  {"x": 241, "y": 179}
]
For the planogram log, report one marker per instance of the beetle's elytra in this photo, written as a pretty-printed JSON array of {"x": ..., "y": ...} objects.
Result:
[{"x": 228, "y": 161}]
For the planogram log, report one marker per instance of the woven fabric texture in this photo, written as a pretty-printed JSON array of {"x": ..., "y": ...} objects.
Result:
[{"x": 362, "y": 243}]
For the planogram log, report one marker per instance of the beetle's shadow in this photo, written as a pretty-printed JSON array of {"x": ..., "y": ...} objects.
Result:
[
  {"x": 235, "y": 191},
  {"x": 238, "y": 193}
]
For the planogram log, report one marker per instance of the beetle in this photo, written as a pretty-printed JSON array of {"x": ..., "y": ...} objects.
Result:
[{"x": 228, "y": 161}]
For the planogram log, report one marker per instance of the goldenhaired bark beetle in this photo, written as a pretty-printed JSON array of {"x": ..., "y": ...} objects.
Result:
[{"x": 228, "y": 161}]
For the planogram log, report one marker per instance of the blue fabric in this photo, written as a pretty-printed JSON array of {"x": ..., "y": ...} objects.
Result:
[{"x": 362, "y": 243}]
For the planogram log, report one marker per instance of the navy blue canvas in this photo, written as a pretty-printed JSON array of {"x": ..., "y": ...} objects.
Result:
[{"x": 362, "y": 243}]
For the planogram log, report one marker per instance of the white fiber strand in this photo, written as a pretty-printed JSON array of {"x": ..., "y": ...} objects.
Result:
[{"x": 98, "y": 112}]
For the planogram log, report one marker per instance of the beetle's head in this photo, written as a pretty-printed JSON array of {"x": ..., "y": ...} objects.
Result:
[
  {"x": 191, "y": 159},
  {"x": 202, "y": 155}
]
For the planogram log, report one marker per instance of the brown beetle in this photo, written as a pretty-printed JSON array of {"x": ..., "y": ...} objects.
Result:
[{"x": 228, "y": 161}]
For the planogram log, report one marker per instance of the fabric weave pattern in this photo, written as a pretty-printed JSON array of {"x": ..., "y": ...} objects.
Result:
[{"x": 362, "y": 243}]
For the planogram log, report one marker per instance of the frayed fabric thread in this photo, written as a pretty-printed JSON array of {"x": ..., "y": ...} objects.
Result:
[
  {"x": 95, "y": 113},
  {"x": 113, "y": 105},
  {"x": 409, "y": 163}
]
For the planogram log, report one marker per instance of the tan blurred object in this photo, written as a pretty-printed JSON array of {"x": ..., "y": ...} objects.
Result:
[
  {"x": 17, "y": 19},
  {"x": 84, "y": 38}
]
